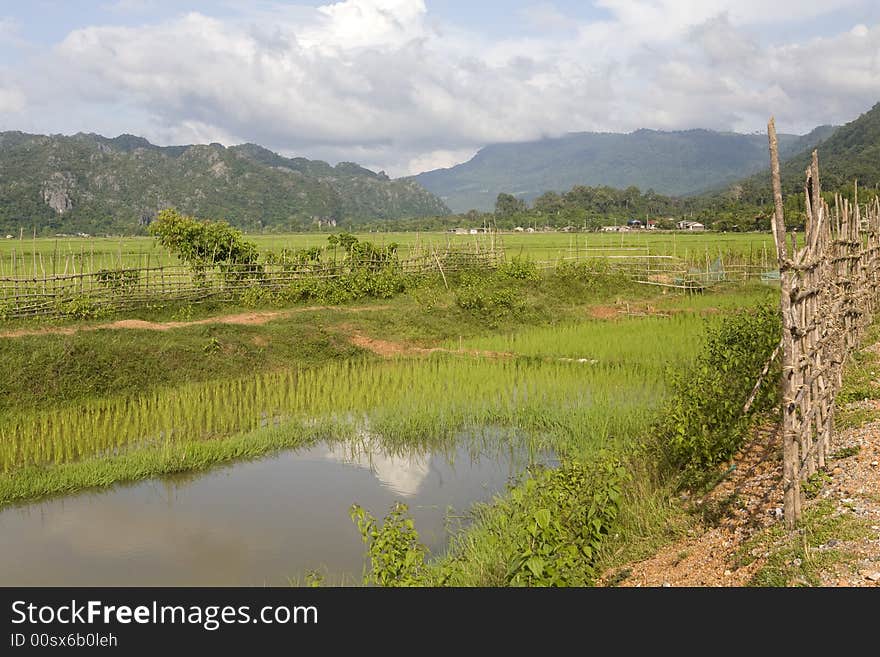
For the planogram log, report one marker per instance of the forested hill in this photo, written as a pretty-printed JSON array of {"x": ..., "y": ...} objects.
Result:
[
  {"x": 670, "y": 163},
  {"x": 89, "y": 183},
  {"x": 850, "y": 153}
]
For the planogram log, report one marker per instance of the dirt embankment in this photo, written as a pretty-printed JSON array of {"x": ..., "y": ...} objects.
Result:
[
  {"x": 749, "y": 501},
  {"x": 244, "y": 319}
]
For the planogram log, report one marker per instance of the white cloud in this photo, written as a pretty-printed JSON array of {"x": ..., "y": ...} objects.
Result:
[
  {"x": 440, "y": 159},
  {"x": 383, "y": 83},
  {"x": 12, "y": 101}
]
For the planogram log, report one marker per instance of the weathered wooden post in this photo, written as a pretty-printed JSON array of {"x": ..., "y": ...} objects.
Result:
[{"x": 790, "y": 475}]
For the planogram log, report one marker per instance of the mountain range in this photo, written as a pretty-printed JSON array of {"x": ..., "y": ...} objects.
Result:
[
  {"x": 94, "y": 184},
  {"x": 851, "y": 154},
  {"x": 671, "y": 163}
]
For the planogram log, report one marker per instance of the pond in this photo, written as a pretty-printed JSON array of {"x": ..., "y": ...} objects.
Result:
[{"x": 255, "y": 523}]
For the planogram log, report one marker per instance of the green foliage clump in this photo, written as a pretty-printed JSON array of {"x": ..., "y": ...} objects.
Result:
[
  {"x": 591, "y": 279},
  {"x": 703, "y": 424},
  {"x": 396, "y": 556},
  {"x": 202, "y": 243},
  {"x": 549, "y": 532},
  {"x": 560, "y": 520},
  {"x": 364, "y": 255},
  {"x": 255, "y": 296},
  {"x": 295, "y": 259},
  {"x": 120, "y": 281},
  {"x": 521, "y": 269},
  {"x": 492, "y": 298},
  {"x": 80, "y": 307}
]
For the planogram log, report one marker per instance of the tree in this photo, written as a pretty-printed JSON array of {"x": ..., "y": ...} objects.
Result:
[
  {"x": 508, "y": 205},
  {"x": 549, "y": 203},
  {"x": 202, "y": 243}
]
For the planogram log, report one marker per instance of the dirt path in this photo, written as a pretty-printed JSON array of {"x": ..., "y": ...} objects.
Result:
[
  {"x": 246, "y": 319},
  {"x": 750, "y": 500}
]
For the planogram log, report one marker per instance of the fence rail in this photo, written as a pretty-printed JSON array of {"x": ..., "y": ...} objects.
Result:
[
  {"x": 829, "y": 293},
  {"x": 117, "y": 289},
  {"x": 31, "y": 292}
]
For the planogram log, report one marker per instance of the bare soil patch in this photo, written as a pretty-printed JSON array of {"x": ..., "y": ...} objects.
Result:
[
  {"x": 604, "y": 312},
  {"x": 243, "y": 319},
  {"x": 749, "y": 500}
]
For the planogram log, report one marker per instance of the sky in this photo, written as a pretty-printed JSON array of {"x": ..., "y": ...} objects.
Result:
[{"x": 407, "y": 86}]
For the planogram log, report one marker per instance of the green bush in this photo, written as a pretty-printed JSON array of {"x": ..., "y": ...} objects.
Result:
[
  {"x": 201, "y": 243},
  {"x": 561, "y": 519},
  {"x": 396, "y": 556},
  {"x": 521, "y": 269},
  {"x": 83, "y": 307},
  {"x": 552, "y": 527},
  {"x": 256, "y": 295},
  {"x": 703, "y": 424},
  {"x": 121, "y": 281}
]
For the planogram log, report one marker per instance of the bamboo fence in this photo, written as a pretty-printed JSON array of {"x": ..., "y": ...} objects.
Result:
[
  {"x": 829, "y": 293},
  {"x": 39, "y": 293}
]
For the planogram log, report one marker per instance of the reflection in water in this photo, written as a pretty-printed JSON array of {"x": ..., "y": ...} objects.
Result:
[
  {"x": 253, "y": 523},
  {"x": 403, "y": 473}
]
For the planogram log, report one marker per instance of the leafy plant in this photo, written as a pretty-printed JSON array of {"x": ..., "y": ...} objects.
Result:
[
  {"x": 364, "y": 255},
  {"x": 120, "y": 281},
  {"x": 396, "y": 556},
  {"x": 568, "y": 511},
  {"x": 703, "y": 424},
  {"x": 814, "y": 483},
  {"x": 846, "y": 452},
  {"x": 519, "y": 268},
  {"x": 204, "y": 243},
  {"x": 80, "y": 307}
]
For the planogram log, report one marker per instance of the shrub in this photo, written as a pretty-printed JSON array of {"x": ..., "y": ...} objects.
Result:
[
  {"x": 202, "y": 243},
  {"x": 396, "y": 556},
  {"x": 564, "y": 516},
  {"x": 520, "y": 269},
  {"x": 553, "y": 526},
  {"x": 703, "y": 424}
]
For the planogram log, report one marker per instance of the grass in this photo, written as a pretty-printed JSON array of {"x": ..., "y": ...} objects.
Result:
[
  {"x": 116, "y": 393},
  {"x": 44, "y": 371},
  {"x": 562, "y": 406},
  {"x": 859, "y": 386},
  {"x": 57, "y": 255},
  {"x": 633, "y": 340},
  {"x": 100, "y": 471},
  {"x": 799, "y": 558},
  {"x": 96, "y": 408}
]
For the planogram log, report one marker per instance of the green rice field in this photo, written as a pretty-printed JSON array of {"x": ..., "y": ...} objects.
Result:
[{"x": 68, "y": 255}]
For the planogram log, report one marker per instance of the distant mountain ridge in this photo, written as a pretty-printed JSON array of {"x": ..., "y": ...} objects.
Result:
[
  {"x": 848, "y": 154},
  {"x": 88, "y": 182},
  {"x": 676, "y": 163}
]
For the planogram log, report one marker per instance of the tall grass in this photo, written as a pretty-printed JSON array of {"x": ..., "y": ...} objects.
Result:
[
  {"x": 649, "y": 343},
  {"x": 423, "y": 401},
  {"x": 66, "y": 254}
]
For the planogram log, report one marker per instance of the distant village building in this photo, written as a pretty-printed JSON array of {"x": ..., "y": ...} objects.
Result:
[
  {"x": 567, "y": 229},
  {"x": 530, "y": 230},
  {"x": 615, "y": 229},
  {"x": 652, "y": 224},
  {"x": 635, "y": 224},
  {"x": 690, "y": 225},
  {"x": 518, "y": 229}
]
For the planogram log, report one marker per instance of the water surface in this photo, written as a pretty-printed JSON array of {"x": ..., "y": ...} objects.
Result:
[{"x": 264, "y": 522}]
